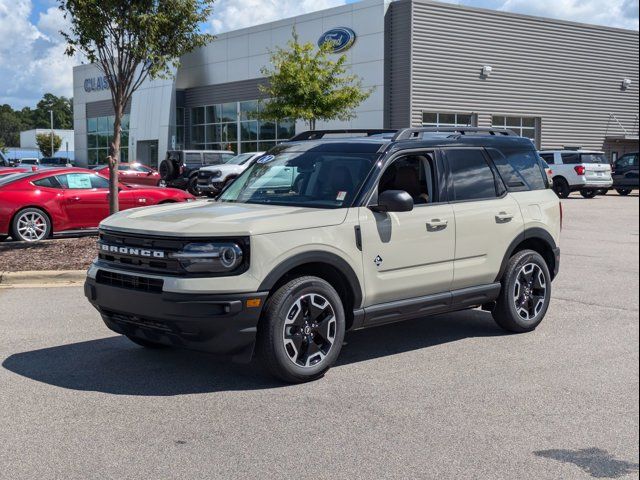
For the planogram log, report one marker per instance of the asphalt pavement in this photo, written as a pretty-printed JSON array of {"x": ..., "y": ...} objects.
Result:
[{"x": 451, "y": 397}]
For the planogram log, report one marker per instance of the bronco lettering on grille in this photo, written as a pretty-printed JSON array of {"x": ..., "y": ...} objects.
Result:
[{"x": 134, "y": 252}]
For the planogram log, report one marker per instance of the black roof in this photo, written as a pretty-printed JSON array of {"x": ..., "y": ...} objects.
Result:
[{"x": 383, "y": 141}]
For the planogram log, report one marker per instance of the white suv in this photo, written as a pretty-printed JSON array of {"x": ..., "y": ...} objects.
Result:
[
  {"x": 211, "y": 180},
  {"x": 584, "y": 171}
]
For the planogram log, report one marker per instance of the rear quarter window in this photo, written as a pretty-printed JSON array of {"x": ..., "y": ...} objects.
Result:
[
  {"x": 521, "y": 170},
  {"x": 472, "y": 176}
]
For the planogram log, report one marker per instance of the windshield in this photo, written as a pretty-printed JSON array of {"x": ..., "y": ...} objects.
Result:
[
  {"x": 302, "y": 179},
  {"x": 592, "y": 158},
  {"x": 239, "y": 159}
]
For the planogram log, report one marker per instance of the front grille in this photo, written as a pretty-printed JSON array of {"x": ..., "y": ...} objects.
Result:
[
  {"x": 129, "y": 282},
  {"x": 204, "y": 175}
]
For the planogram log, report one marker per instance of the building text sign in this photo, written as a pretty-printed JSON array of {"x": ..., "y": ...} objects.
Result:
[{"x": 96, "y": 84}]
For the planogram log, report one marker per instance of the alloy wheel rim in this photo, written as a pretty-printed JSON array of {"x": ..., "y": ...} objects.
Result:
[
  {"x": 32, "y": 226},
  {"x": 309, "y": 330},
  {"x": 530, "y": 292}
]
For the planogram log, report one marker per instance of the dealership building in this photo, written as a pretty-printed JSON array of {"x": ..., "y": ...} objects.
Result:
[{"x": 563, "y": 84}]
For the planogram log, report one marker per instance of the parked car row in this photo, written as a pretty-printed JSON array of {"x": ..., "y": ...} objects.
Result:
[
  {"x": 589, "y": 172},
  {"x": 34, "y": 204}
]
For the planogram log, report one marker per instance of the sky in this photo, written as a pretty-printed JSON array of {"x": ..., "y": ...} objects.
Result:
[{"x": 32, "y": 59}]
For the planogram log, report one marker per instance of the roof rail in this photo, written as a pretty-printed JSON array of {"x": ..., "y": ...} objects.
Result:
[
  {"x": 318, "y": 134},
  {"x": 412, "y": 133}
]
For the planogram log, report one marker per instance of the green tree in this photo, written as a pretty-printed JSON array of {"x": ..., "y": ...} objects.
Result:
[
  {"x": 129, "y": 41},
  {"x": 3, "y": 147},
  {"x": 12, "y": 122},
  {"x": 306, "y": 84},
  {"x": 62, "y": 112},
  {"x": 44, "y": 144}
]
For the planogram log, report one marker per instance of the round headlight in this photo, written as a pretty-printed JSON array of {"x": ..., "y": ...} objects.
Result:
[
  {"x": 211, "y": 257},
  {"x": 228, "y": 257}
]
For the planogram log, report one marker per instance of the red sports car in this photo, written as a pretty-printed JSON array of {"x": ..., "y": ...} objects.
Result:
[
  {"x": 34, "y": 205},
  {"x": 133, "y": 174},
  {"x": 12, "y": 170}
]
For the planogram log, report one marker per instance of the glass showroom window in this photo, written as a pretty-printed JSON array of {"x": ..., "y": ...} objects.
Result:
[
  {"x": 234, "y": 126},
  {"x": 99, "y": 135},
  {"x": 433, "y": 119},
  {"x": 523, "y": 126},
  {"x": 179, "y": 128}
]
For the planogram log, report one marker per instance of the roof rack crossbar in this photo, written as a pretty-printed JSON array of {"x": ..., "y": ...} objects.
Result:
[
  {"x": 318, "y": 134},
  {"x": 418, "y": 133}
]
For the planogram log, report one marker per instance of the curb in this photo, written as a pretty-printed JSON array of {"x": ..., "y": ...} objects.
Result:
[{"x": 40, "y": 278}]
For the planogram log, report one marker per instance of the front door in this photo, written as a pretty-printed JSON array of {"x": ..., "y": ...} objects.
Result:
[
  {"x": 408, "y": 254},
  {"x": 86, "y": 199}
]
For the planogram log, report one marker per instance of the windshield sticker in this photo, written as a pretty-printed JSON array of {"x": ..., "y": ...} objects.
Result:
[
  {"x": 341, "y": 196},
  {"x": 266, "y": 159}
]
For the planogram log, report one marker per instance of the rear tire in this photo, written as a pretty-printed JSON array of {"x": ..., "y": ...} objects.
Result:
[
  {"x": 603, "y": 191},
  {"x": 526, "y": 293},
  {"x": 167, "y": 170},
  {"x": 146, "y": 343},
  {"x": 301, "y": 331},
  {"x": 588, "y": 193},
  {"x": 561, "y": 187},
  {"x": 623, "y": 191}
]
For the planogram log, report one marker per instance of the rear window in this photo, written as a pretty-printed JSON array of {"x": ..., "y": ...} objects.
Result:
[
  {"x": 472, "y": 176},
  {"x": 593, "y": 158},
  {"x": 192, "y": 158},
  {"x": 14, "y": 177},
  {"x": 549, "y": 158},
  {"x": 521, "y": 170}
]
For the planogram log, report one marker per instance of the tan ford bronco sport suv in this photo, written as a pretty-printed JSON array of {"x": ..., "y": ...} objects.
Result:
[{"x": 325, "y": 234}]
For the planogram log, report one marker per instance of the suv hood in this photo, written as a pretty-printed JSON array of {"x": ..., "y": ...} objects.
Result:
[
  {"x": 225, "y": 169},
  {"x": 207, "y": 219}
]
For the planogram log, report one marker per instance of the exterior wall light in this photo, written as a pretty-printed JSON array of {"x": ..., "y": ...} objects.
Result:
[
  {"x": 486, "y": 71},
  {"x": 626, "y": 83}
]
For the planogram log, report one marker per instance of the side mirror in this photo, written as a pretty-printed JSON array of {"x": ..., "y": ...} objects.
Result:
[{"x": 393, "y": 201}]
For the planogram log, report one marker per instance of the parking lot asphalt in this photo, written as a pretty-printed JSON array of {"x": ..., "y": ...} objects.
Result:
[{"x": 451, "y": 397}]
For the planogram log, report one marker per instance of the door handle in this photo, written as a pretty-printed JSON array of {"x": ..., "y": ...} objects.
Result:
[
  {"x": 74, "y": 199},
  {"x": 437, "y": 225},
  {"x": 504, "y": 217}
]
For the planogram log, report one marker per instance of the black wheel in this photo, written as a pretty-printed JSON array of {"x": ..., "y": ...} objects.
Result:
[
  {"x": 561, "y": 187},
  {"x": 603, "y": 191},
  {"x": 623, "y": 191},
  {"x": 526, "y": 293},
  {"x": 167, "y": 170},
  {"x": 146, "y": 343},
  {"x": 301, "y": 330},
  {"x": 31, "y": 225},
  {"x": 192, "y": 186},
  {"x": 588, "y": 193}
]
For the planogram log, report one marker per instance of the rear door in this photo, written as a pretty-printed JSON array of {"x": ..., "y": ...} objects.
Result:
[
  {"x": 487, "y": 218},
  {"x": 627, "y": 171}
]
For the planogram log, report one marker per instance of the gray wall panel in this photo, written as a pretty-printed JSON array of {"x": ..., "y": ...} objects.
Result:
[
  {"x": 103, "y": 108},
  {"x": 397, "y": 73},
  {"x": 567, "y": 74},
  {"x": 224, "y": 92}
]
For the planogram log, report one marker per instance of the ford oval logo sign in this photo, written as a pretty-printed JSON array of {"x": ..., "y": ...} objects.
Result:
[{"x": 341, "y": 39}]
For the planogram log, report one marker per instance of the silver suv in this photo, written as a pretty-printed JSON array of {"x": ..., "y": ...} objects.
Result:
[{"x": 324, "y": 235}]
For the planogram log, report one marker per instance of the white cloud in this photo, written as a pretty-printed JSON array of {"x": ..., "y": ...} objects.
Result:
[
  {"x": 233, "y": 14},
  {"x": 32, "y": 60},
  {"x": 613, "y": 13}
]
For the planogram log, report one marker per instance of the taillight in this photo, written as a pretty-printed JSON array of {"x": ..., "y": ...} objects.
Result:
[
  {"x": 561, "y": 215},
  {"x": 579, "y": 169}
]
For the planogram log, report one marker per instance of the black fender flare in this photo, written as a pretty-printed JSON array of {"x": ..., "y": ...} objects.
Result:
[
  {"x": 316, "y": 257},
  {"x": 530, "y": 233}
]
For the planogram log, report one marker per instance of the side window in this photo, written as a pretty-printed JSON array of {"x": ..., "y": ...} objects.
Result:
[
  {"x": 549, "y": 158},
  {"x": 521, "y": 170},
  {"x": 571, "y": 158},
  {"x": 472, "y": 176},
  {"x": 212, "y": 158},
  {"x": 48, "y": 182},
  {"x": 192, "y": 158},
  {"x": 414, "y": 174},
  {"x": 82, "y": 181}
]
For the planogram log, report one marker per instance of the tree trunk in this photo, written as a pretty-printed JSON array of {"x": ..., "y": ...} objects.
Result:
[
  {"x": 114, "y": 157},
  {"x": 312, "y": 124}
]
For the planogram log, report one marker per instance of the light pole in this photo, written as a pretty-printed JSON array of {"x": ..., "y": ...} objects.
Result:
[{"x": 51, "y": 114}]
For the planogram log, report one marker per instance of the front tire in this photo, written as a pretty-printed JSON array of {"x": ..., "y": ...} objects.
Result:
[
  {"x": 561, "y": 187},
  {"x": 588, "y": 193},
  {"x": 31, "y": 225},
  {"x": 526, "y": 293},
  {"x": 623, "y": 191},
  {"x": 192, "y": 186},
  {"x": 302, "y": 330}
]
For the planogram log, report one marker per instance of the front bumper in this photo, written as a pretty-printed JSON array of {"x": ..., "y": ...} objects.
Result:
[{"x": 215, "y": 323}]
